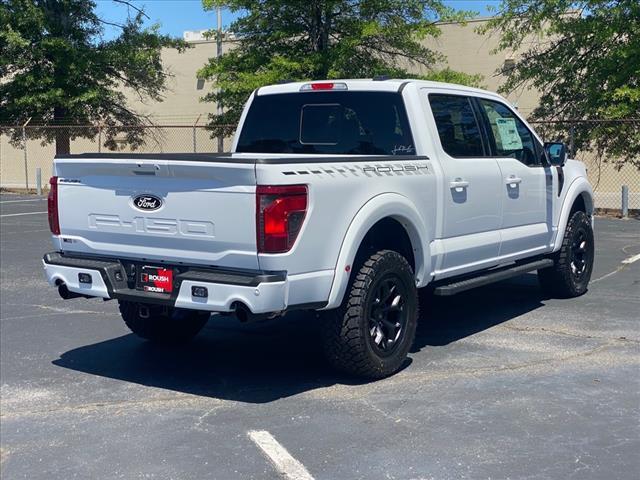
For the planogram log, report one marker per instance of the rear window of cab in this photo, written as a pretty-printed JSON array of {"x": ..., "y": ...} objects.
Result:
[{"x": 338, "y": 122}]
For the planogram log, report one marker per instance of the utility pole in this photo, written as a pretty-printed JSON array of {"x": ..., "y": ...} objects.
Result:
[{"x": 218, "y": 55}]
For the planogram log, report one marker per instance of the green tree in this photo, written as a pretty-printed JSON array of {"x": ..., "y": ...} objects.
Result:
[
  {"x": 57, "y": 69},
  {"x": 584, "y": 57},
  {"x": 323, "y": 39}
]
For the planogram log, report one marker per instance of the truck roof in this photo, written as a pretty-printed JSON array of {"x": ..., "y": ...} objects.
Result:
[{"x": 390, "y": 85}]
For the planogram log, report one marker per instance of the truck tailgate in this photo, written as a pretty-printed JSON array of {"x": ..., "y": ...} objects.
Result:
[{"x": 195, "y": 212}]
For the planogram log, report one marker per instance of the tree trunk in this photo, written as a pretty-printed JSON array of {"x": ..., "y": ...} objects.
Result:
[
  {"x": 63, "y": 142},
  {"x": 319, "y": 36}
]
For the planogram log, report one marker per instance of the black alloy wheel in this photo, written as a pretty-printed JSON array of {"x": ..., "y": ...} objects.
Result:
[
  {"x": 579, "y": 253},
  {"x": 387, "y": 315}
]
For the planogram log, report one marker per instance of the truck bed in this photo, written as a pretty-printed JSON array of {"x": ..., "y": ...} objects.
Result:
[{"x": 206, "y": 203}]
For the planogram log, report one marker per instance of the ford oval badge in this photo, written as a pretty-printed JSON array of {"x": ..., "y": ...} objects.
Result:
[{"x": 147, "y": 202}]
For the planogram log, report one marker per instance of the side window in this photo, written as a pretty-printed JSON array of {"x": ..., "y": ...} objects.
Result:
[
  {"x": 457, "y": 125},
  {"x": 511, "y": 137}
]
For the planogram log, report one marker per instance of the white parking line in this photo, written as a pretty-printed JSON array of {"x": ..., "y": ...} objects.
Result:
[
  {"x": 632, "y": 259},
  {"x": 286, "y": 465},
  {"x": 626, "y": 261},
  {"x": 25, "y": 231},
  {"x": 19, "y": 214},
  {"x": 21, "y": 201}
]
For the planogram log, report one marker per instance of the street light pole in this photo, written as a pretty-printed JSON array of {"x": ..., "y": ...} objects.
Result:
[{"x": 218, "y": 55}]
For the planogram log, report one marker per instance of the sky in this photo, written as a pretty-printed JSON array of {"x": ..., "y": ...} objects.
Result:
[{"x": 176, "y": 16}]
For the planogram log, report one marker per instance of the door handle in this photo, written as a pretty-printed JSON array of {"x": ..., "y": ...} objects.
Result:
[
  {"x": 512, "y": 181},
  {"x": 145, "y": 169},
  {"x": 458, "y": 184}
]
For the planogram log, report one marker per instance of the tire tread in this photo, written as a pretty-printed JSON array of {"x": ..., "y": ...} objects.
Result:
[
  {"x": 557, "y": 280},
  {"x": 344, "y": 341}
]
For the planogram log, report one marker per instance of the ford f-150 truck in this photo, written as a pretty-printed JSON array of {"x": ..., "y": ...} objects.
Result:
[{"x": 344, "y": 197}]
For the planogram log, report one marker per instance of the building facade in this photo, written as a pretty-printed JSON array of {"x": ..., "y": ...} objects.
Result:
[{"x": 183, "y": 115}]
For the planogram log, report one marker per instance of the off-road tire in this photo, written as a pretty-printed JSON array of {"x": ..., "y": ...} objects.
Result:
[
  {"x": 573, "y": 263},
  {"x": 163, "y": 324},
  {"x": 348, "y": 341}
]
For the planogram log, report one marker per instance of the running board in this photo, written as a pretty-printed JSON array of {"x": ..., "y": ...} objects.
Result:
[{"x": 491, "y": 277}]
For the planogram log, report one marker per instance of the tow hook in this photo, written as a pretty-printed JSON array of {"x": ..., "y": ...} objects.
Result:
[{"x": 143, "y": 311}]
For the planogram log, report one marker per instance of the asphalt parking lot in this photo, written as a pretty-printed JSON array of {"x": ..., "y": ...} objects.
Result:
[{"x": 502, "y": 383}]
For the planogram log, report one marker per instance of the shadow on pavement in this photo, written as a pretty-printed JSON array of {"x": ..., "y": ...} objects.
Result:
[
  {"x": 444, "y": 320},
  {"x": 265, "y": 361}
]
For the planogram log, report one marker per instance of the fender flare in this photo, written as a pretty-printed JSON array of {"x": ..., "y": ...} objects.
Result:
[
  {"x": 385, "y": 205},
  {"x": 577, "y": 187}
]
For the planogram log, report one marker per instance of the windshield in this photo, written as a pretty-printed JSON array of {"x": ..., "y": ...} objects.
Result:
[{"x": 342, "y": 123}]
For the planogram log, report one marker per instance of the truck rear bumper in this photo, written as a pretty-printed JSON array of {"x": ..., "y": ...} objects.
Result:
[{"x": 260, "y": 292}]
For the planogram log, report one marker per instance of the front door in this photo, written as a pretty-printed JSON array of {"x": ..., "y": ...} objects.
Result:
[{"x": 527, "y": 182}]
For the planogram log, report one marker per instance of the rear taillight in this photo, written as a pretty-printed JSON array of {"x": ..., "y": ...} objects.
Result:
[
  {"x": 52, "y": 206},
  {"x": 280, "y": 212}
]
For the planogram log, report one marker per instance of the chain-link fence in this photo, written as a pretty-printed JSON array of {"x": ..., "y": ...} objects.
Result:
[
  {"x": 23, "y": 152},
  {"x": 615, "y": 181}
]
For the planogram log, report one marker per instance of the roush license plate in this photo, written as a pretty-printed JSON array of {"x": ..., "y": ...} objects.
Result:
[{"x": 155, "y": 279}]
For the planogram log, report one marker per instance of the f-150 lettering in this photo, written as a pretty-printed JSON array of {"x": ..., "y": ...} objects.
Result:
[{"x": 160, "y": 226}]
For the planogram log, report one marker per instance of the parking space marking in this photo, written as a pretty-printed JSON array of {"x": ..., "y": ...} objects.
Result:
[
  {"x": 624, "y": 263},
  {"x": 632, "y": 259},
  {"x": 286, "y": 465},
  {"x": 25, "y": 231},
  {"x": 19, "y": 214},
  {"x": 20, "y": 201}
]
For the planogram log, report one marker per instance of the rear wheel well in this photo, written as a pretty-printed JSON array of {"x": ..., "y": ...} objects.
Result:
[{"x": 386, "y": 234}]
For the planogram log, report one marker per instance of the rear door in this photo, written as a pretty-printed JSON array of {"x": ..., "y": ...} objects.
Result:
[
  {"x": 527, "y": 183},
  {"x": 194, "y": 212},
  {"x": 472, "y": 182}
]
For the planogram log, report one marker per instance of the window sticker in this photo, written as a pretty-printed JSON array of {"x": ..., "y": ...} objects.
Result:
[{"x": 508, "y": 133}]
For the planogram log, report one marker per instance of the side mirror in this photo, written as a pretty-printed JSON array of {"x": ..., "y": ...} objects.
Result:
[{"x": 556, "y": 153}]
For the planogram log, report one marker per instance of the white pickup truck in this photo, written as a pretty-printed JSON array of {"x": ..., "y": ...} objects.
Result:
[{"x": 343, "y": 197}]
